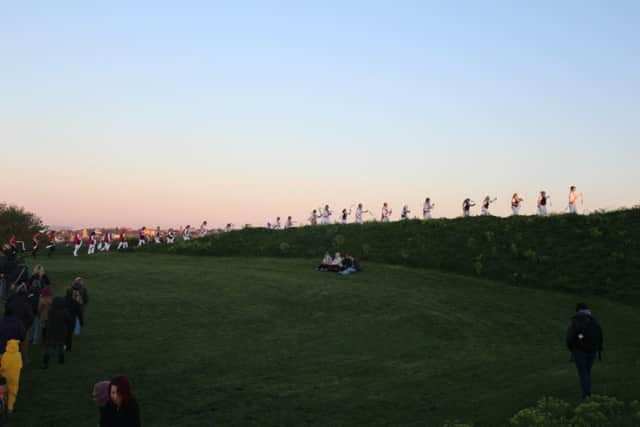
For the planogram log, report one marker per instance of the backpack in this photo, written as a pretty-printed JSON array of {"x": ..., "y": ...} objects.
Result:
[{"x": 586, "y": 334}]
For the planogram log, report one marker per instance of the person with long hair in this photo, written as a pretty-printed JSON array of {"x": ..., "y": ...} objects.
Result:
[
  {"x": 122, "y": 409},
  {"x": 516, "y": 203}
]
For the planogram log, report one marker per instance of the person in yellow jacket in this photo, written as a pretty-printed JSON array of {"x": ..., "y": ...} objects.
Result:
[{"x": 10, "y": 367}]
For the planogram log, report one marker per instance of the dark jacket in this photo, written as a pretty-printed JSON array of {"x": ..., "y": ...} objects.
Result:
[
  {"x": 77, "y": 298},
  {"x": 125, "y": 416},
  {"x": 584, "y": 334},
  {"x": 58, "y": 323},
  {"x": 10, "y": 329},
  {"x": 21, "y": 308}
]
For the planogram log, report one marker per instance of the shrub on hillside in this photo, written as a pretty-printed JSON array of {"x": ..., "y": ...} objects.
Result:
[{"x": 15, "y": 220}]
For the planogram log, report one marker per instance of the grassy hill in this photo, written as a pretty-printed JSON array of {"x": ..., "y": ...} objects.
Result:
[
  {"x": 266, "y": 341},
  {"x": 586, "y": 254}
]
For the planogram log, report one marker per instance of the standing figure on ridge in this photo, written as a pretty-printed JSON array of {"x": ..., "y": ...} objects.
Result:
[
  {"x": 486, "y": 203},
  {"x": 427, "y": 208},
  {"x": 386, "y": 212},
  {"x": 516, "y": 202},
  {"x": 573, "y": 199},
  {"x": 171, "y": 236},
  {"x": 203, "y": 229},
  {"x": 467, "y": 204},
  {"x": 543, "y": 198},
  {"x": 344, "y": 216},
  {"x": 326, "y": 215},
  {"x": 359, "y": 212},
  {"x": 313, "y": 218},
  {"x": 405, "y": 212},
  {"x": 186, "y": 233}
]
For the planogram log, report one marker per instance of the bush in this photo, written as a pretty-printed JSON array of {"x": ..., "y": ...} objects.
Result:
[{"x": 15, "y": 220}]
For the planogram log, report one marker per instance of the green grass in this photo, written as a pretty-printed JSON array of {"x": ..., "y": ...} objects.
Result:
[
  {"x": 257, "y": 341},
  {"x": 584, "y": 254}
]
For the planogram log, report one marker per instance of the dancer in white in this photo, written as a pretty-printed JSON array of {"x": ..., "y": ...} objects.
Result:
[
  {"x": 203, "y": 229},
  {"x": 405, "y": 212},
  {"x": 313, "y": 218},
  {"x": 485, "y": 205},
  {"x": 186, "y": 233},
  {"x": 573, "y": 200},
  {"x": 543, "y": 199},
  {"x": 467, "y": 204},
  {"x": 171, "y": 236},
  {"x": 326, "y": 215},
  {"x": 123, "y": 243},
  {"x": 228, "y": 227},
  {"x": 427, "y": 208},
  {"x": 344, "y": 216},
  {"x": 142, "y": 239},
  {"x": 106, "y": 241},
  {"x": 386, "y": 213},
  {"x": 277, "y": 225},
  {"x": 289, "y": 223},
  {"x": 156, "y": 236},
  {"x": 77, "y": 243},
  {"x": 92, "y": 243},
  {"x": 516, "y": 202},
  {"x": 359, "y": 212}
]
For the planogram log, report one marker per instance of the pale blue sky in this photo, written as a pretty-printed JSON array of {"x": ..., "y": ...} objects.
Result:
[{"x": 288, "y": 105}]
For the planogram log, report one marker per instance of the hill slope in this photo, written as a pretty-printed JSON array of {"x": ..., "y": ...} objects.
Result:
[
  {"x": 590, "y": 254},
  {"x": 249, "y": 341}
]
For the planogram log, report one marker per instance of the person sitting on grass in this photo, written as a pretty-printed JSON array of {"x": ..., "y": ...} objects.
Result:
[
  {"x": 122, "y": 408},
  {"x": 350, "y": 265},
  {"x": 326, "y": 262}
]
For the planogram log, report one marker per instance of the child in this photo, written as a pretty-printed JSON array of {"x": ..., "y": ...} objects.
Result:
[{"x": 10, "y": 367}]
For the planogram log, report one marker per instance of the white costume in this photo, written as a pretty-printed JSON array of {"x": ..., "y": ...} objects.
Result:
[
  {"x": 186, "y": 234},
  {"x": 573, "y": 199},
  {"x": 386, "y": 212},
  {"x": 485, "y": 206},
  {"x": 326, "y": 216},
  {"x": 405, "y": 212},
  {"x": 515, "y": 205},
  {"x": 171, "y": 237},
  {"x": 92, "y": 244},
  {"x": 276, "y": 225},
  {"x": 426, "y": 210},
  {"x": 542, "y": 204},
  {"x": 203, "y": 229}
]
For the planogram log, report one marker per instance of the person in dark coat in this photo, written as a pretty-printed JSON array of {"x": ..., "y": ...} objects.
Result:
[
  {"x": 77, "y": 299},
  {"x": 122, "y": 408},
  {"x": 10, "y": 329},
  {"x": 23, "y": 310},
  {"x": 584, "y": 341},
  {"x": 57, "y": 326}
]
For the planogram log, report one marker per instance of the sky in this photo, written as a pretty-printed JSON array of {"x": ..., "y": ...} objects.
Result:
[{"x": 167, "y": 113}]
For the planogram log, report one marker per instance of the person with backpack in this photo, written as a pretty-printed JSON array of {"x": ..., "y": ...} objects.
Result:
[
  {"x": 584, "y": 341},
  {"x": 77, "y": 298}
]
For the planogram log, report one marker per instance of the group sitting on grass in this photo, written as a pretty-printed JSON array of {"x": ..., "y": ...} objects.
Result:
[{"x": 347, "y": 265}]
